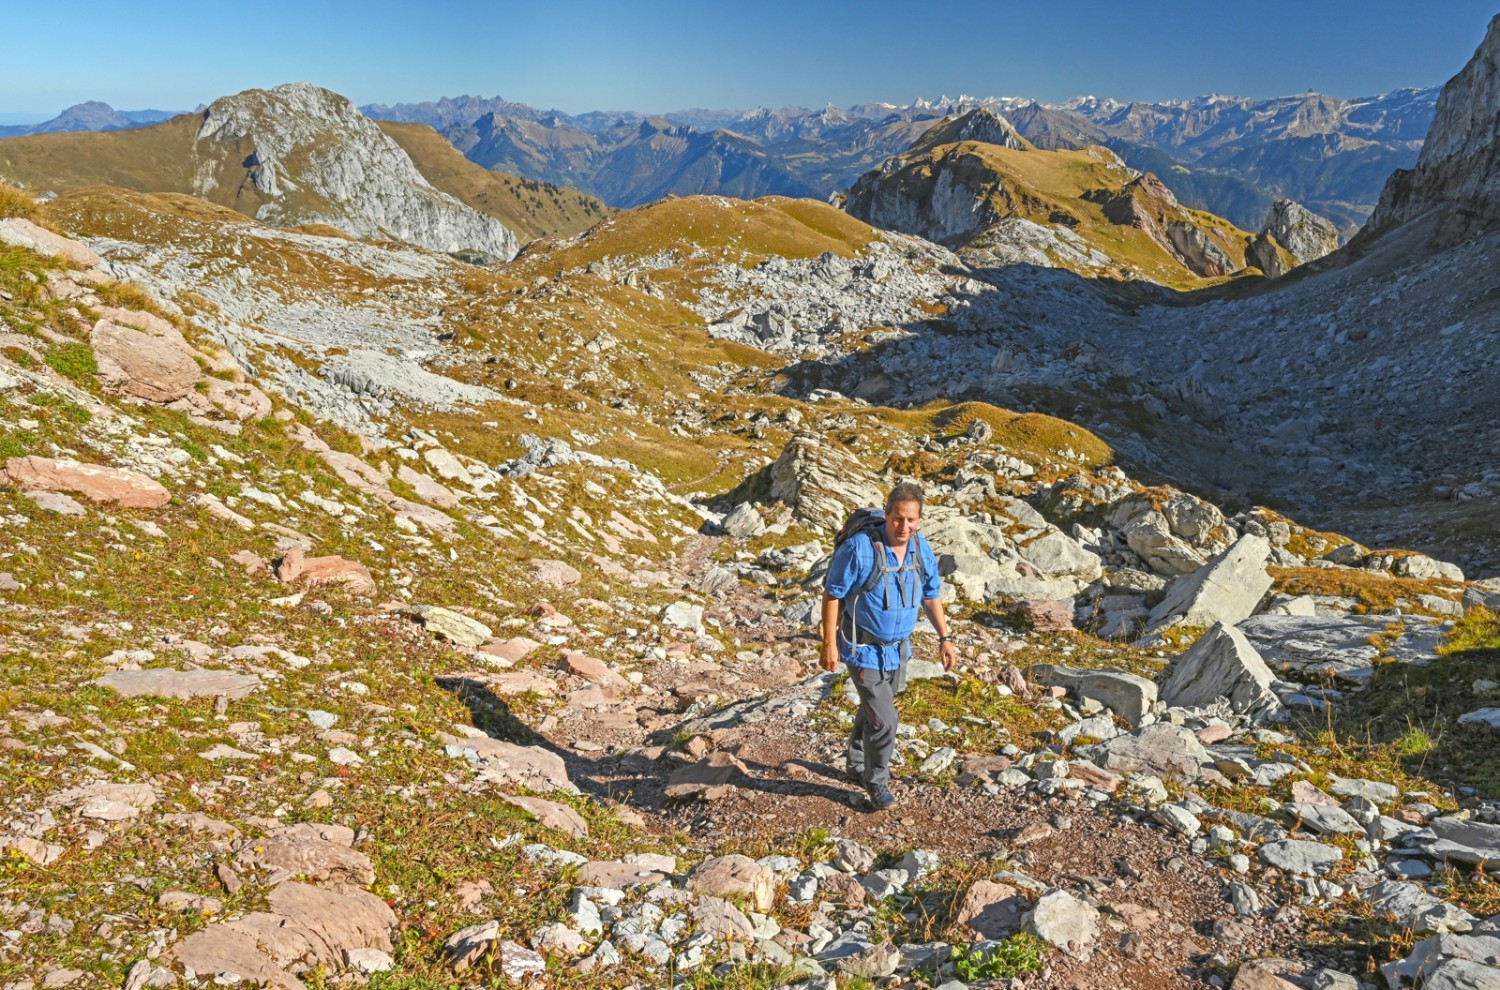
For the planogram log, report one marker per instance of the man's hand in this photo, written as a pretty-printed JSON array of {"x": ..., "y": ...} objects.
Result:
[
  {"x": 949, "y": 655},
  {"x": 828, "y": 659}
]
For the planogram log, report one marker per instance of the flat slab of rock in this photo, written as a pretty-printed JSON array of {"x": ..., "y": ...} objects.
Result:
[
  {"x": 315, "y": 852},
  {"x": 513, "y": 650},
  {"x": 450, "y": 625},
  {"x": 1129, "y": 696},
  {"x": 304, "y": 926},
  {"x": 551, "y": 814},
  {"x": 719, "y": 917},
  {"x": 1226, "y": 589},
  {"x": 706, "y": 780},
  {"x": 557, "y": 573},
  {"x": 619, "y": 875},
  {"x": 1063, "y": 920},
  {"x": 1464, "y": 841},
  {"x": 1222, "y": 664},
  {"x": 516, "y": 682},
  {"x": 1300, "y": 857},
  {"x": 23, "y": 233},
  {"x": 95, "y": 482},
  {"x": 106, "y": 802},
  {"x": 161, "y": 682},
  {"x": 1339, "y": 643},
  {"x": 142, "y": 356},
  {"x": 594, "y": 671},
  {"x": 1159, "y": 748},
  {"x": 507, "y": 765}
]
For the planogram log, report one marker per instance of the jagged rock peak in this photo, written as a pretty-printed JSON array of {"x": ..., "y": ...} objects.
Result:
[
  {"x": 317, "y": 159},
  {"x": 1458, "y": 173},
  {"x": 1302, "y": 232},
  {"x": 982, "y": 125}
]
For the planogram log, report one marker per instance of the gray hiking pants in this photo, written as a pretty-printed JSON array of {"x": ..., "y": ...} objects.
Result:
[{"x": 873, "y": 737}]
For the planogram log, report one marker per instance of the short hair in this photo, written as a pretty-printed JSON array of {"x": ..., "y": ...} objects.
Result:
[{"x": 906, "y": 491}]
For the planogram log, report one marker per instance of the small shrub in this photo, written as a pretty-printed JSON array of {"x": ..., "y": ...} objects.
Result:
[
  {"x": 17, "y": 444},
  {"x": 1018, "y": 955},
  {"x": 19, "y": 356},
  {"x": 73, "y": 361}
]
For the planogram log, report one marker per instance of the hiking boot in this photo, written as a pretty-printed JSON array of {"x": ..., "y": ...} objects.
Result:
[
  {"x": 854, "y": 774},
  {"x": 881, "y": 797}
]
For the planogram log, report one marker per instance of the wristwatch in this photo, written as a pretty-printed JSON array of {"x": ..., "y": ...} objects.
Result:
[{"x": 944, "y": 639}]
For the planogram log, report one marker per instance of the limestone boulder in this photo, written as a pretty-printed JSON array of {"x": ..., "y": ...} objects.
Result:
[
  {"x": 735, "y": 876},
  {"x": 453, "y": 626},
  {"x": 95, "y": 482},
  {"x": 1129, "y": 696},
  {"x": 142, "y": 356},
  {"x": 1065, "y": 921},
  {"x": 820, "y": 482},
  {"x": 551, "y": 814},
  {"x": 1157, "y": 749},
  {"x": 239, "y": 401},
  {"x": 314, "y": 852},
  {"x": 1225, "y": 590},
  {"x": 1222, "y": 664}
]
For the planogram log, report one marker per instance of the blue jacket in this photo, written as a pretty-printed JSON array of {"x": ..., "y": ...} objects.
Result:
[{"x": 850, "y": 568}]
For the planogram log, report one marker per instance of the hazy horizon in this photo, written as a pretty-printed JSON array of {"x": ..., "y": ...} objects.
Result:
[{"x": 661, "y": 56}]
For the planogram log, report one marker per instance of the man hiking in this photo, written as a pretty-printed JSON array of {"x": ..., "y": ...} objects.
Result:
[{"x": 882, "y": 572}]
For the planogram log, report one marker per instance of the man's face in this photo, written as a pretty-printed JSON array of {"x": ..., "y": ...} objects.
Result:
[{"x": 902, "y": 520}]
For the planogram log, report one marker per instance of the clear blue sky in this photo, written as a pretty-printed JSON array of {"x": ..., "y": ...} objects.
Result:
[{"x": 660, "y": 55}]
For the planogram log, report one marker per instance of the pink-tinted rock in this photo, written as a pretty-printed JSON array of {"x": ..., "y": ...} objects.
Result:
[
  {"x": 993, "y": 910},
  {"x": 160, "y": 682},
  {"x": 513, "y": 650},
  {"x": 594, "y": 671},
  {"x": 95, "y": 482},
  {"x": 143, "y": 356},
  {"x": 307, "y": 851},
  {"x": 1046, "y": 616},
  {"x": 730, "y": 876},
  {"x": 557, "y": 573},
  {"x": 356, "y": 473},
  {"x": 320, "y": 572},
  {"x": 24, "y": 233},
  {"x": 707, "y": 780}
]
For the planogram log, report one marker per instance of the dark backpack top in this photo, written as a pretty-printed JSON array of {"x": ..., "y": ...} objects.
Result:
[{"x": 869, "y": 524}]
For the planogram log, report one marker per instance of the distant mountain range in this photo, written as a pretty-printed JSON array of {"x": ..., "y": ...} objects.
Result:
[
  {"x": 90, "y": 116},
  {"x": 1230, "y": 155}
]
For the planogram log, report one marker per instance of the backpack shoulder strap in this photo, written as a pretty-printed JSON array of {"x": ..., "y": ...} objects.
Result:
[{"x": 880, "y": 567}]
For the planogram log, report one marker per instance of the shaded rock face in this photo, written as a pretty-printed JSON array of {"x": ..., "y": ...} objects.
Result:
[
  {"x": 1457, "y": 177},
  {"x": 1302, "y": 232},
  {"x": 1261, "y": 253},
  {"x": 309, "y": 156}
]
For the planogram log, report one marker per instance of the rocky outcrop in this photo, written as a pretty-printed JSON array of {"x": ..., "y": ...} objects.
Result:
[
  {"x": 1457, "y": 177},
  {"x": 821, "y": 483},
  {"x": 1226, "y": 590},
  {"x": 304, "y": 155},
  {"x": 1302, "y": 232},
  {"x": 23, "y": 233},
  {"x": 1223, "y": 664}
]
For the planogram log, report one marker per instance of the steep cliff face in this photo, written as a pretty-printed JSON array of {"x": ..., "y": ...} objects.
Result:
[
  {"x": 1305, "y": 234},
  {"x": 1456, "y": 182},
  {"x": 299, "y": 154}
]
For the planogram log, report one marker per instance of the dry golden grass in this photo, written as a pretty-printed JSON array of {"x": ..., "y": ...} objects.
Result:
[
  {"x": 1374, "y": 590},
  {"x": 16, "y": 202}
]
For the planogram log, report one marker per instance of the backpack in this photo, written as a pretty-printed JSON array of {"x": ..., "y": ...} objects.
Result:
[{"x": 870, "y": 524}]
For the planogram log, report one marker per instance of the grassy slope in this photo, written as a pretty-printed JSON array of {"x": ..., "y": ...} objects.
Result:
[
  {"x": 150, "y": 159},
  {"x": 531, "y": 209}
]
